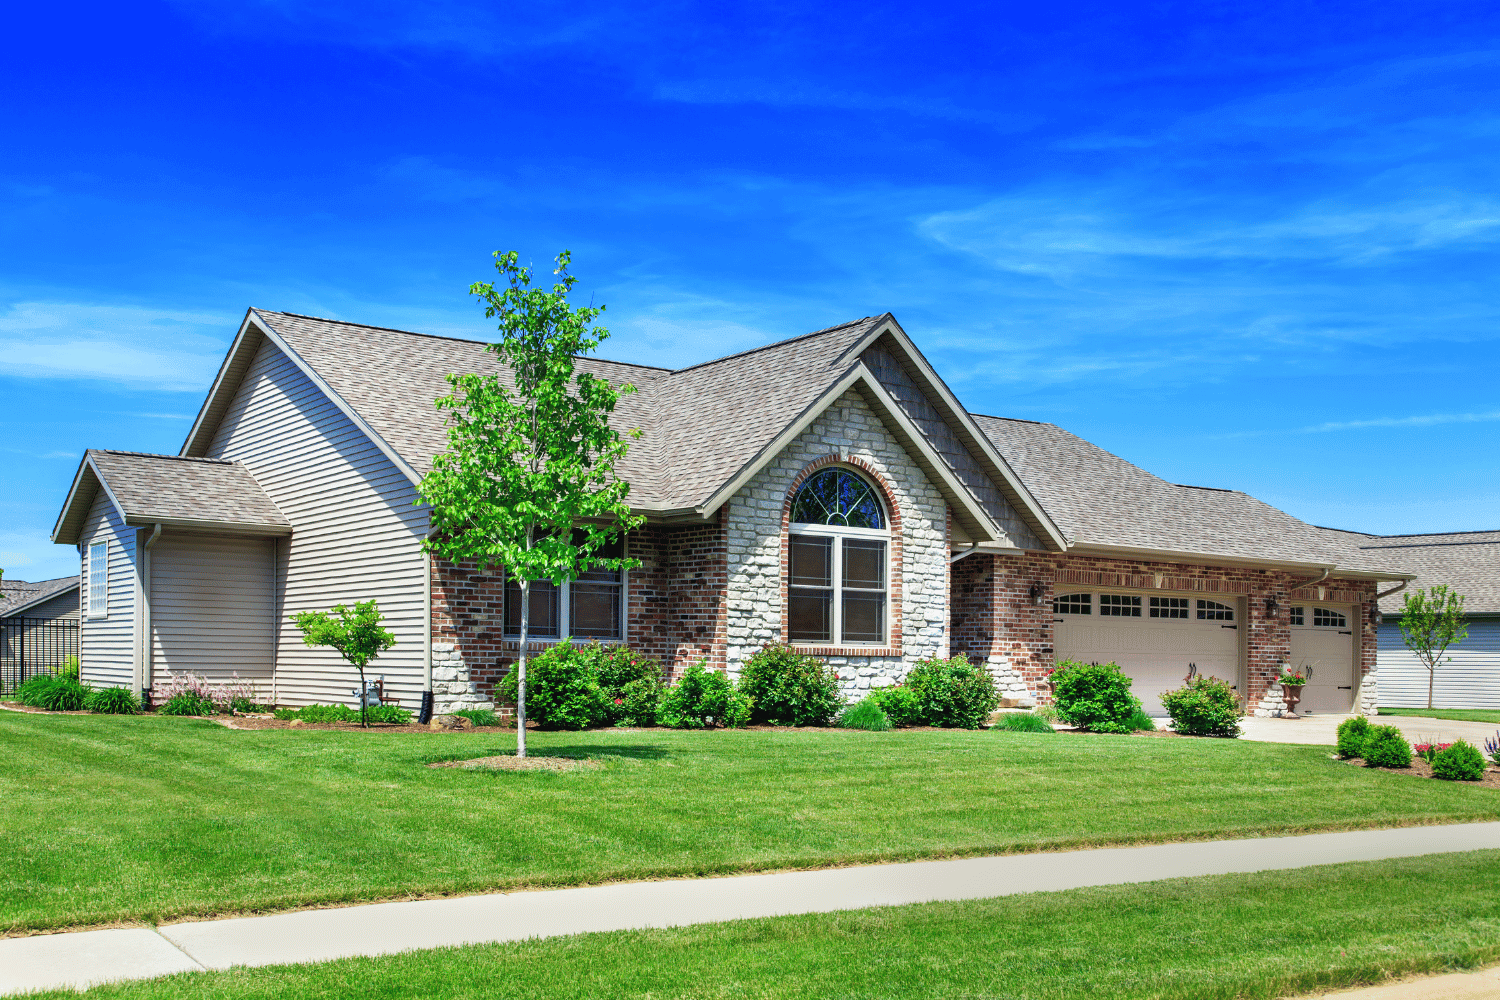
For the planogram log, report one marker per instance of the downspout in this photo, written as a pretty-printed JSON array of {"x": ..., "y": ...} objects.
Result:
[
  {"x": 147, "y": 651},
  {"x": 966, "y": 552},
  {"x": 1310, "y": 583},
  {"x": 1376, "y": 617},
  {"x": 425, "y": 715},
  {"x": 1394, "y": 590}
]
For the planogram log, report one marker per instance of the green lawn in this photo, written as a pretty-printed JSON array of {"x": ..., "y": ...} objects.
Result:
[
  {"x": 1455, "y": 714},
  {"x": 139, "y": 818},
  {"x": 1227, "y": 936}
]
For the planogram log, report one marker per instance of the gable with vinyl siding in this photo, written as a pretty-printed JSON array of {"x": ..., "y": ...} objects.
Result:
[
  {"x": 107, "y": 633},
  {"x": 356, "y": 533}
]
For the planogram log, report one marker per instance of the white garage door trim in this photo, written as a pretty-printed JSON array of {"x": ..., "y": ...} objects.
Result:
[{"x": 1153, "y": 635}]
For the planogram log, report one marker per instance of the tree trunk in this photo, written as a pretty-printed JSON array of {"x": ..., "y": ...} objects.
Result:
[
  {"x": 521, "y": 669},
  {"x": 364, "y": 701},
  {"x": 1431, "y": 674}
]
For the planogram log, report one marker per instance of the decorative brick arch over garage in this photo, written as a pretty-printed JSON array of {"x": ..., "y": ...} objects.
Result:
[{"x": 892, "y": 509}]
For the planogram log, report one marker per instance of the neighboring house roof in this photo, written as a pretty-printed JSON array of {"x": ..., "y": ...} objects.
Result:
[
  {"x": 1467, "y": 561},
  {"x": 172, "y": 491},
  {"x": 1105, "y": 503},
  {"x": 17, "y": 595}
]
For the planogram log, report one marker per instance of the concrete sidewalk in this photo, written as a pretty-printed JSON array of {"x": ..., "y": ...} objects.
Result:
[{"x": 76, "y": 960}]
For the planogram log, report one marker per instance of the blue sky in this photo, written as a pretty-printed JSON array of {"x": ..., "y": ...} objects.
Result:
[{"x": 1243, "y": 245}]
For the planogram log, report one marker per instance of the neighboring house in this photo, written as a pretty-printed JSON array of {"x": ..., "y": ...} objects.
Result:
[
  {"x": 1469, "y": 563},
  {"x": 828, "y": 491},
  {"x": 49, "y": 600}
]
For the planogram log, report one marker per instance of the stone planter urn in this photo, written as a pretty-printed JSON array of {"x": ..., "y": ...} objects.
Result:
[{"x": 1291, "y": 694}]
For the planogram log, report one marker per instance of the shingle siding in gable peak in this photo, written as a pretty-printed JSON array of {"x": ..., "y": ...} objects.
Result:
[
  {"x": 893, "y": 375},
  {"x": 1099, "y": 498}
]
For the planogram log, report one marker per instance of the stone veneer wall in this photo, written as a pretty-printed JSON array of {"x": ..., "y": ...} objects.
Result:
[
  {"x": 850, "y": 433},
  {"x": 994, "y": 619}
]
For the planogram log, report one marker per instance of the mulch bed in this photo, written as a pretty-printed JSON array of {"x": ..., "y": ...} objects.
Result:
[
  {"x": 1158, "y": 733},
  {"x": 1421, "y": 769},
  {"x": 510, "y": 762},
  {"x": 264, "y": 722},
  {"x": 16, "y": 706}
]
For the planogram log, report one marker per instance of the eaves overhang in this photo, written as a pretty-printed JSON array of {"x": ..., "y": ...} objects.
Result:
[{"x": 1223, "y": 559}]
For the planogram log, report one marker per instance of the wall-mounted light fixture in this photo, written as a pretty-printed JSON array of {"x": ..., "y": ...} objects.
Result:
[
  {"x": 1375, "y": 616},
  {"x": 1035, "y": 593},
  {"x": 1272, "y": 607}
]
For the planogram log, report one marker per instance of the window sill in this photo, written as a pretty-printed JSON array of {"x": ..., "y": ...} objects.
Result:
[
  {"x": 535, "y": 645},
  {"x": 847, "y": 650}
]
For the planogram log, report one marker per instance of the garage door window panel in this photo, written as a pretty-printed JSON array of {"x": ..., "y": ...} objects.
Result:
[
  {"x": 1169, "y": 607},
  {"x": 1120, "y": 605},
  {"x": 1326, "y": 618},
  {"x": 1073, "y": 604},
  {"x": 1213, "y": 611}
]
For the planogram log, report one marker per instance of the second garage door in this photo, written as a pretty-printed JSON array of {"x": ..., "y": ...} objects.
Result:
[{"x": 1156, "y": 639}]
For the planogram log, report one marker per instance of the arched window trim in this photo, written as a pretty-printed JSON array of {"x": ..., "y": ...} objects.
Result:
[{"x": 839, "y": 593}]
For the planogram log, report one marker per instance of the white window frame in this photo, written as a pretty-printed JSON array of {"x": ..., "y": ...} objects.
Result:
[
  {"x": 565, "y": 609},
  {"x": 98, "y": 608},
  {"x": 836, "y": 625}
]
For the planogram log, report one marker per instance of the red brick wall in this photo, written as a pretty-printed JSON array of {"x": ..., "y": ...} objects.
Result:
[
  {"x": 676, "y": 609},
  {"x": 993, "y": 615}
]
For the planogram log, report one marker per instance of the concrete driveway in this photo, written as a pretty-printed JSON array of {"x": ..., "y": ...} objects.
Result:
[{"x": 1323, "y": 729}]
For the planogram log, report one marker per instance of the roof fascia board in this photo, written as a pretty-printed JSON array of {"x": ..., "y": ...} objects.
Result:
[
  {"x": 337, "y": 400},
  {"x": 975, "y": 438},
  {"x": 15, "y": 612},
  {"x": 217, "y": 527},
  {"x": 1215, "y": 559},
  {"x": 190, "y": 445},
  {"x": 83, "y": 466},
  {"x": 857, "y": 373}
]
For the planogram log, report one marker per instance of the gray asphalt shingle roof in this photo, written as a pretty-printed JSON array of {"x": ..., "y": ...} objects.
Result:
[
  {"x": 172, "y": 488},
  {"x": 18, "y": 594},
  {"x": 1467, "y": 561}
]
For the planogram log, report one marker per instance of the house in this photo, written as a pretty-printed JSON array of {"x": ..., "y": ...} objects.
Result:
[
  {"x": 828, "y": 491},
  {"x": 38, "y": 627},
  {"x": 48, "y": 600},
  {"x": 1469, "y": 563}
]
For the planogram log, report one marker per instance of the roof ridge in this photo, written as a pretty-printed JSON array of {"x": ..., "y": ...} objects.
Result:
[
  {"x": 778, "y": 343},
  {"x": 1015, "y": 420},
  {"x": 152, "y": 454},
  {"x": 1439, "y": 534},
  {"x": 438, "y": 336},
  {"x": 1216, "y": 489}
]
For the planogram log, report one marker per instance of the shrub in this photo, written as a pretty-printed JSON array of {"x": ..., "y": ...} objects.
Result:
[
  {"x": 1096, "y": 697},
  {"x": 327, "y": 713},
  {"x": 1047, "y": 713},
  {"x": 65, "y": 695},
  {"x": 702, "y": 698},
  {"x": 1352, "y": 735},
  {"x": 285, "y": 714},
  {"x": 865, "y": 714},
  {"x": 1139, "y": 721},
  {"x": 1386, "y": 747},
  {"x": 113, "y": 701},
  {"x": 953, "y": 693},
  {"x": 900, "y": 705},
  {"x": 478, "y": 716},
  {"x": 34, "y": 689},
  {"x": 1492, "y": 747},
  {"x": 1205, "y": 706},
  {"x": 234, "y": 695},
  {"x": 789, "y": 688},
  {"x": 1460, "y": 762},
  {"x": 630, "y": 683},
  {"x": 562, "y": 688},
  {"x": 69, "y": 667},
  {"x": 389, "y": 713},
  {"x": 187, "y": 703},
  {"x": 1023, "y": 722}
]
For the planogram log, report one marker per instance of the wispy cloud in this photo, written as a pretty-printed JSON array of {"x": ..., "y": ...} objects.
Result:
[
  {"x": 165, "y": 349},
  {"x": 1427, "y": 420}
]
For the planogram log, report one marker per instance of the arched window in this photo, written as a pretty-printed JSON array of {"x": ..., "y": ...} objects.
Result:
[{"x": 840, "y": 570}]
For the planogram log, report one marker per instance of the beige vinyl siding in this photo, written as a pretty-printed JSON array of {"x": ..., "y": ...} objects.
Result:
[
  {"x": 1470, "y": 679},
  {"x": 213, "y": 607},
  {"x": 107, "y": 645},
  {"x": 355, "y": 532},
  {"x": 63, "y": 606}
]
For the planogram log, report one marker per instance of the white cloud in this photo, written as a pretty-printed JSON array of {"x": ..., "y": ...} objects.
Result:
[
  {"x": 165, "y": 349},
  {"x": 1425, "y": 420}
]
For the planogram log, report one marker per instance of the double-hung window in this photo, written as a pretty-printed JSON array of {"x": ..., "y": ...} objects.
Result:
[
  {"x": 590, "y": 607},
  {"x": 99, "y": 580},
  {"x": 839, "y": 577}
]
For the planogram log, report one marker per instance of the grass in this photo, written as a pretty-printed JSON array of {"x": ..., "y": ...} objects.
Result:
[
  {"x": 1227, "y": 936},
  {"x": 136, "y": 818},
  {"x": 1452, "y": 714}
]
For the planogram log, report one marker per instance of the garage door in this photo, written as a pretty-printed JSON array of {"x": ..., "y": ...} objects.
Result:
[
  {"x": 1323, "y": 645},
  {"x": 1156, "y": 639}
]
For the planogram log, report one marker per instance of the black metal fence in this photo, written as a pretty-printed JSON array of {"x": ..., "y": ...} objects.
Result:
[{"x": 31, "y": 646}]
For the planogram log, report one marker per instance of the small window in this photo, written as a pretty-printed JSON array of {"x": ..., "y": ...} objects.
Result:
[
  {"x": 1215, "y": 612},
  {"x": 590, "y": 607},
  {"x": 1169, "y": 607},
  {"x": 839, "y": 497},
  {"x": 1329, "y": 619},
  {"x": 1073, "y": 604},
  {"x": 1298, "y": 616},
  {"x": 99, "y": 580},
  {"x": 1120, "y": 605}
]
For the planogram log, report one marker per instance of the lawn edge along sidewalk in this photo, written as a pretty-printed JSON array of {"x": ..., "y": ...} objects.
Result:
[{"x": 91, "y": 957}]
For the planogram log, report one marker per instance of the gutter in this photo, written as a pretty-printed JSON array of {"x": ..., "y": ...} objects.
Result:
[{"x": 147, "y": 650}]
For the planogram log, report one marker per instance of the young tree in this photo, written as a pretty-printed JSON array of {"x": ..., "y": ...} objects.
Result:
[
  {"x": 355, "y": 632},
  {"x": 1431, "y": 621},
  {"x": 528, "y": 482}
]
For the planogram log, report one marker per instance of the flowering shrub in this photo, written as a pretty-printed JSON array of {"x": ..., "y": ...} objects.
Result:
[
  {"x": 186, "y": 703},
  {"x": 238, "y": 694},
  {"x": 1290, "y": 677},
  {"x": 630, "y": 682},
  {"x": 1459, "y": 761},
  {"x": 789, "y": 688},
  {"x": 1492, "y": 747},
  {"x": 953, "y": 693},
  {"x": 1427, "y": 751},
  {"x": 704, "y": 698},
  {"x": 575, "y": 687}
]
